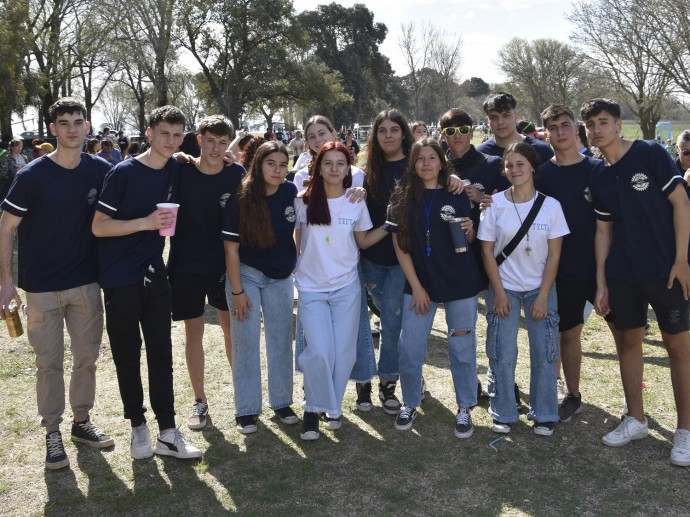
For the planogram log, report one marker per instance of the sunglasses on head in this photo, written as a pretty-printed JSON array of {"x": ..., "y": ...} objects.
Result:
[
  {"x": 685, "y": 152},
  {"x": 450, "y": 131}
]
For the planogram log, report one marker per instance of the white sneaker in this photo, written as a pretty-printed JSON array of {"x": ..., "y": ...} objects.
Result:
[
  {"x": 629, "y": 429},
  {"x": 174, "y": 444},
  {"x": 140, "y": 447},
  {"x": 680, "y": 454}
]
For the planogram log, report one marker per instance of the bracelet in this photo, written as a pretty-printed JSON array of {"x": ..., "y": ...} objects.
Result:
[{"x": 237, "y": 294}]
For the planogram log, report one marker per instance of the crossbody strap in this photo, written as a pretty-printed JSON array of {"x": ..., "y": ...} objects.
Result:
[{"x": 531, "y": 216}]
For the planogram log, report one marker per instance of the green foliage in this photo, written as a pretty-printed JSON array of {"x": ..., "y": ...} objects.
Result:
[{"x": 13, "y": 41}]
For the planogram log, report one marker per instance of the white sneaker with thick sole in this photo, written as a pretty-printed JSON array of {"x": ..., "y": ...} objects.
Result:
[
  {"x": 174, "y": 444},
  {"x": 628, "y": 430},
  {"x": 140, "y": 447},
  {"x": 680, "y": 454}
]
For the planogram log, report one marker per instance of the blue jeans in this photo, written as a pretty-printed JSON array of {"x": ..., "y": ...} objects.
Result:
[
  {"x": 273, "y": 298},
  {"x": 330, "y": 321},
  {"x": 461, "y": 316},
  {"x": 386, "y": 285},
  {"x": 365, "y": 365},
  {"x": 502, "y": 350}
]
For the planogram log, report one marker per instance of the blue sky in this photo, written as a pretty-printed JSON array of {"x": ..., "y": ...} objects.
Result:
[{"x": 485, "y": 26}]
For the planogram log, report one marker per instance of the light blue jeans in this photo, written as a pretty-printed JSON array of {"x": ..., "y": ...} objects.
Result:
[
  {"x": 386, "y": 285},
  {"x": 330, "y": 321},
  {"x": 365, "y": 365},
  {"x": 502, "y": 350},
  {"x": 461, "y": 316},
  {"x": 273, "y": 298}
]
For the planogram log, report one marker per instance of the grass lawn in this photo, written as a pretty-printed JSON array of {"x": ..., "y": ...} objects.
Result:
[{"x": 367, "y": 467}]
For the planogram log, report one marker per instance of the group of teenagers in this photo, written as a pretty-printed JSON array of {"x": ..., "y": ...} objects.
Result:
[{"x": 548, "y": 230}]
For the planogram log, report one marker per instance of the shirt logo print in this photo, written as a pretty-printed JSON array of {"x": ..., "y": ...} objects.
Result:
[
  {"x": 640, "y": 182},
  {"x": 224, "y": 199},
  {"x": 91, "y": 197},
  {"x": 479, "y": 186},
  {"x": 290, "y": 214},
  {"x": 587, "y": 194},
  {"x": 447, "y": 212}
]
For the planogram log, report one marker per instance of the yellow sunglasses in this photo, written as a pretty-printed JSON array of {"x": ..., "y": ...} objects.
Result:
[{"x": 450, "y": 131}]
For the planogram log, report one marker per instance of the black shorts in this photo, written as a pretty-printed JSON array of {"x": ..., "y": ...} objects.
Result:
[
  {"x": 629, "y": 302},
  {"x": 573, "y": 295},
  {"x": 189, "y": 293}
]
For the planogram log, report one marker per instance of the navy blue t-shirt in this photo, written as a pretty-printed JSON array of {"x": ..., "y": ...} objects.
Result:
[
  {"x": 383, "y": 253},
  {"x": 196, "y": 247},
  {"x": 569, "y": 185},
  {"x": 491, "y": 148},
  {"x": 277, "y": 261},
  {"x": 131, "y": 191},
  {"x": 56, "y": 249},
  {"x": 444, "y": 274},
  {"x": 633, "y": 194}
]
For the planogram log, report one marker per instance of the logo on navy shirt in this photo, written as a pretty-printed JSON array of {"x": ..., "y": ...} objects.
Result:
[
  {"x": 290, "y": 214},
  {"x": 224, "y": 199},
  {"x": 479, "y": 186},
  {"x": 170, "y": 191},
  {"x": 447, "y": 212},
  {"x": 92, "y": 195},
  {"x": 640, "y": 182},
  {"x": 587, "y": 194}
]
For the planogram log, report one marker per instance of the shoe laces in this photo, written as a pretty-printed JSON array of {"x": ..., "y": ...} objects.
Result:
[
  {"x": 463, "y": 417},
  {"x": 388, "y": 390},
  {"x": 406, "y": 412},
  {"x": 178, "y": 438},
  {"x": 682, "y": 439},
  {"x": 140, "y": 436},
  {"x": 199, "y": 408},
  {"x": 54, "y": 444},
  {"x": 89, "y": 428}
]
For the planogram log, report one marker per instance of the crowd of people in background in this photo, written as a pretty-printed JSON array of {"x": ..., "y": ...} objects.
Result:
[{"x": 541, "y": 223}]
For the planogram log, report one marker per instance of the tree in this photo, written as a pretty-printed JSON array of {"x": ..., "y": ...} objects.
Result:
[
  {"x": 446, "y": 62},
  {"x": 347, "y": 40},
  {"x": 614, "y": 36},
  {"x": 544, "y": 71},
  {"x": 13, "y": 42},
  {"x": 416, "y": 44},
  {"x": 474, "y": 87},
  {"x": 670, "y": 35}
]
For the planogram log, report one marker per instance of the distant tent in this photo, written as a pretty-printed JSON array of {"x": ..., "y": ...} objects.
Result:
[{"x": 664, "y": 130}]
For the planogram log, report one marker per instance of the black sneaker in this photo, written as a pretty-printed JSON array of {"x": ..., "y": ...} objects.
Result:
[
  {"x": 405, "y": 418},
  {"x": 246, "y": 424},
  {"x": 199, "y": 414},
  {"x": 391, "y": 404},
  {"x": 330, "y": 423},
  {"x": 56, "y": 458},
  {"x": 287, "y": 415},
  {"x": 86, "y": 432},
  {"x": 310, "y": 426},
  {"x": 571, "y": 405},
  {"x": 364, "y": 396},
  {"x": 463, "y": 423},
  {"x": 543, "y": 428},
  {"x": 500, "y": 427}
]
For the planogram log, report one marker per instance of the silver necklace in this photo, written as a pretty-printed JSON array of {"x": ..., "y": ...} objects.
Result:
[{"x": 528, "y": 249}]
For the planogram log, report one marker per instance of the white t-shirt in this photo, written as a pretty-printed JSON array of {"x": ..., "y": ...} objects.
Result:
[
  {"x": 499, "y": 223},
  {"x": 303, "y": 174},
  {"x": 21, "y": 161},
  {"x": 329, "y": 254},
  {"x": 302, "y": 160},
  {"x": 297, "y": 145}
]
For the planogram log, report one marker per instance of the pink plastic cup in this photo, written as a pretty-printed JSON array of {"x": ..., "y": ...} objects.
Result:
[{"x": 168, "y": 232}]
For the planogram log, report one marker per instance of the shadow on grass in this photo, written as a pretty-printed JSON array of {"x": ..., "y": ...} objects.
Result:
[{"x": 63, "y": 491}]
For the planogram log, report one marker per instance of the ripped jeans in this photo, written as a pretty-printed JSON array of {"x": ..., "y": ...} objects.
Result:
[
  {"x": 502, "y": 350},
  {"x": 461, "y": 316}
]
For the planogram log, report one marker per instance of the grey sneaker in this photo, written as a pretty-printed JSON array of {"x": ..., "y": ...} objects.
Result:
[
  {"x": 86, "y": 432},
  {"x": 56, "y": 457},
  {"x": 174, "y": 444},
  {"x": 463, "y": 423},
  {"x": 628, "y": 430},
  {"x": 140, "y": 446},
  {"x": 391, "y": 404},
  {"x": 199, "y": 413},
  {"x": 680, "y": 454}
]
